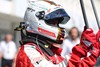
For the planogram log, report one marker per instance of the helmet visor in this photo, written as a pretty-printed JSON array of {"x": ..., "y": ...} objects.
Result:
[{"x": 59, "y": 15}]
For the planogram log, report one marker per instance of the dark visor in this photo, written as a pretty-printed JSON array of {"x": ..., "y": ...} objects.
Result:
[{"x": 60, "y": 13}]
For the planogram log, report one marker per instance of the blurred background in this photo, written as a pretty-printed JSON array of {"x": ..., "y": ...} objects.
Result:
[{"x": 12, "y": 13}]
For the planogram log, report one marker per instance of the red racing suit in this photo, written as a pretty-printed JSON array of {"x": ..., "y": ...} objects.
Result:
[{"x": 30, "y": 56}]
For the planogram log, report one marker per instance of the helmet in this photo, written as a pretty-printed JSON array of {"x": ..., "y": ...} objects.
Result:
[{"x": 43, "y": 18}]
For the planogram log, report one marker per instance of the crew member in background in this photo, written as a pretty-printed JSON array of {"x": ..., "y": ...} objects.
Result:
[
  {"x": 7, "y": 51},
  {"x": 70, "y": 42}
]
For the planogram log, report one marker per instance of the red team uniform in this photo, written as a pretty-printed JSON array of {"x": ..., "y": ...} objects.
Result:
[{"x": 42, "y": 30}]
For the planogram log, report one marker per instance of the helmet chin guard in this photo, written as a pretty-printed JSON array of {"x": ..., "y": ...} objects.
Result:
[{"x": 43, "y": 19}]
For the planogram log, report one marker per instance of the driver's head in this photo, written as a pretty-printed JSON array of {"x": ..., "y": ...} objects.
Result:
[{"x": 43, "y": 17}]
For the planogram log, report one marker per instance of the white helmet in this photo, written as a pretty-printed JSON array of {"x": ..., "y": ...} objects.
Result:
[{"x": 43, "y": 18}]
